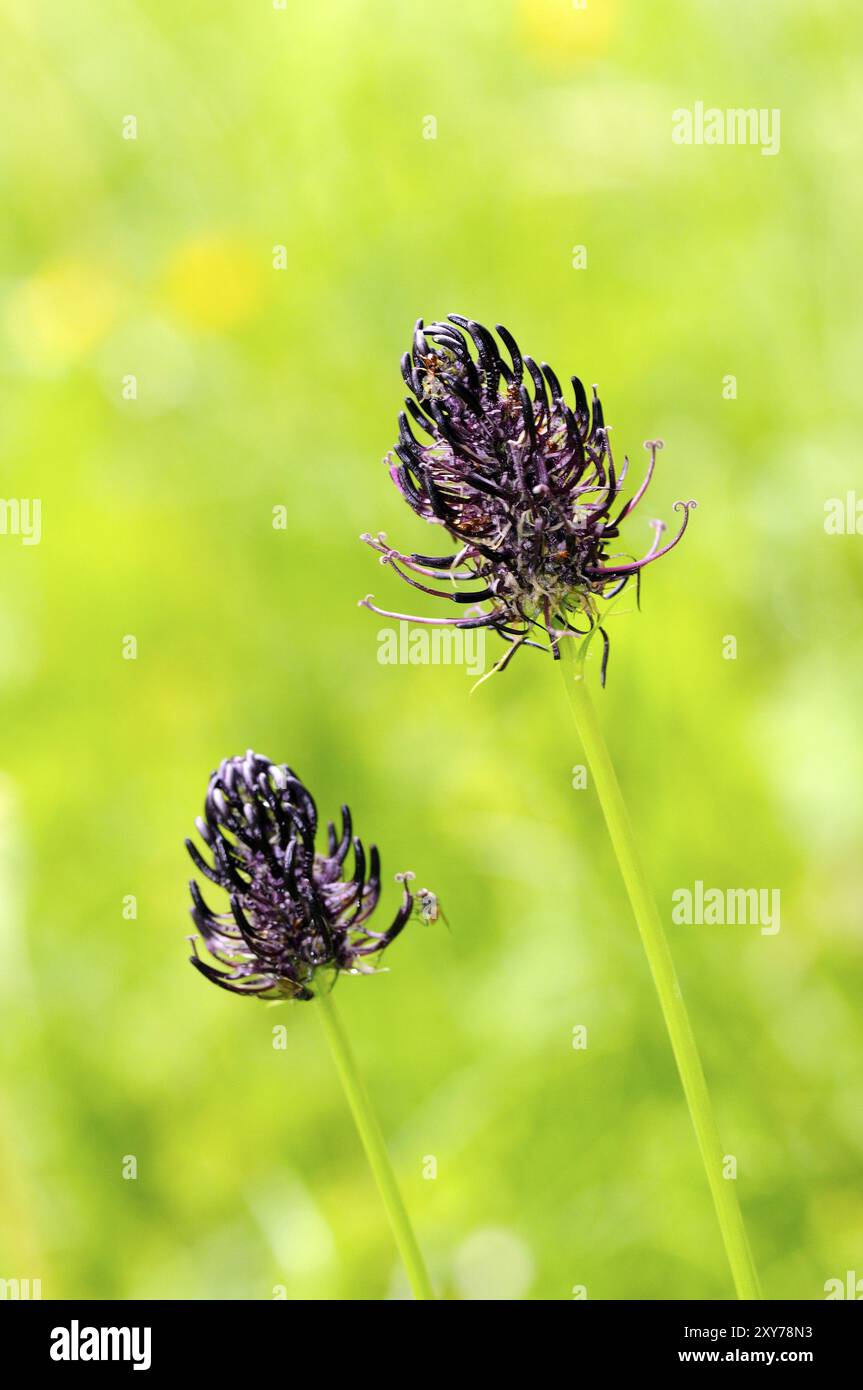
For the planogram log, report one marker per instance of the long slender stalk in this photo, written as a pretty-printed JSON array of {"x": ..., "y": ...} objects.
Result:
[
  {"x": 664, "y": 976},
  {"x": 373, "y": 1143}
]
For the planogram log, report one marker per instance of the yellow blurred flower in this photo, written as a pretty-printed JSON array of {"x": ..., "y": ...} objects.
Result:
[
  {"x": 561, "y": 31},
  {"x": 60, "y": 313},
  {"x": 214, "y": 283}
]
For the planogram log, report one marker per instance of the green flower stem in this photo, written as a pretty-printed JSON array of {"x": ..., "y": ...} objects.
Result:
[
  {"x": 373, "y": 1143},
  {"x": 664, "y": 976}
]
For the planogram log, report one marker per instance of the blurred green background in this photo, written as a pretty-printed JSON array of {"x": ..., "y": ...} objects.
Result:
[{"x": 305, "y": 127}]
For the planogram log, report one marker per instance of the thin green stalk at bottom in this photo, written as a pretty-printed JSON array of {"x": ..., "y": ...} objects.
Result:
[
  {"x": 373, "y": 1143},
  {"x": 664, "y": 975}
]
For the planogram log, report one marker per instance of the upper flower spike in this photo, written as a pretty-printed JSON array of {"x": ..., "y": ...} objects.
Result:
[
  {"x": 524, "y": 483},
  {"x": 293, "y": 910}
]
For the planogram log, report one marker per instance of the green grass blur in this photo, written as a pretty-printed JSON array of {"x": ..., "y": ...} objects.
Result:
[{"x": 258, "y": 388}]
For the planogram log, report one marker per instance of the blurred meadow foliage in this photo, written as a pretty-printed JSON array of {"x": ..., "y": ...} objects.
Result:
[{"x": 305, "y": 127}]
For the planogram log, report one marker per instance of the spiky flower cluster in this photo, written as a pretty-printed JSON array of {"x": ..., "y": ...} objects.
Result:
[
  {"x": 524, "y": 484},
  {"x": 293, "y": 911}
]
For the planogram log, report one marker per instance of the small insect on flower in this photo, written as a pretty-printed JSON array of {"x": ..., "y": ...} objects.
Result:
[
  {"x": 429, "y": 907},
  {"x": 295, "y": 912},
  {"x": 524, "y": 484}
]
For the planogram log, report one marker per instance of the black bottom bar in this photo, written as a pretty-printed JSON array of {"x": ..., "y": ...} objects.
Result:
[{"x": 85, "y": 1339}]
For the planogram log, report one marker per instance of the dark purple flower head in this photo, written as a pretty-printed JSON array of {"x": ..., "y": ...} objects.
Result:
[
  {"x": 293, "y": 910},
  {"x": 523, "y": 483}
]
